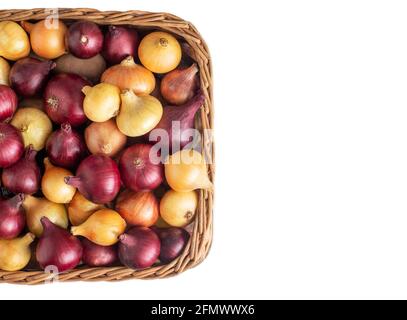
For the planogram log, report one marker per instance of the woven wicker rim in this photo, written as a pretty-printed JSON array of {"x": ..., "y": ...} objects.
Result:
[{"x": 201, "y": 239}]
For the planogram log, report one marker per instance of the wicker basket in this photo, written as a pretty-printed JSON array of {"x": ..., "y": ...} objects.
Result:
[{"x": 201, "y": 239}]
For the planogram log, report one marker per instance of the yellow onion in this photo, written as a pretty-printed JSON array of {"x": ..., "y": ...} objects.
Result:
[
  {"x": 102, "y": 102},
  {"x": 15, "y": 254},
  {"x": 160, "y": 52},
  {"x": 103, "y": 227},
  {"x": 53, "y": 184},
  {"x": 186, "y": 170},
  {"x": 178, "y": 208},
  {"x": 129, "y": 75},
  {"x": 138, "y": 114},
  {"x": 80, "y": 209},
  {"x": 105, "y": 138},
  {"x": 35, "y": 126},
  {"x": 36, "y": 208},
  {"x": 47, "y": 37},
  {"x": 14, "y": 43},
  {"x": 4, "y": 72}
]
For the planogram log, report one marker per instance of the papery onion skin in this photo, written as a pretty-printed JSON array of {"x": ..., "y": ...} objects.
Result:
[
  {"x": 29, "y": 75},
  {"x": 95, "y": 255},
  {"x": 90, "y": 69},
  {"x": 34, "y": 125},
  {"x": 138, "y": 209},
  {"x": 14, "y": 42},
  {"x": 4, "y": 72},
  {"x": 53, "y": 184},
  {"x": 103, "y": 227},
  {"x": 105, "y": 138},
  {"x": 80, "y": 209},
  {"x": 102, "y": 102},
  {"x": 139, "y": 248},
  {"x": 8, "y": 102},
  {"x": 11, "y": 145},
  {"x": 178, "y": 208},
  {"x": 66, "y": 147},
  {"x": 24, "y": 176},
  {"x": 57, "y": 247},
  {"x": 36, "y": 208},
  {"x": 173, "y": 243},
  {"x": 131, "y": 76},
  {"x": 179, "y": 86},
  {"x": 84, "y": 39},
  {"x": 120, "y": 42},
  {"x": 47, "y": 37},
  {"x": 160, "y": 52},
  {"x": 12, "y": 217},
  {"x": 15, "y": 254},
  {"x": 138, "y": 171},
  {"x": 63, "y": 99},
  {"x": 97, "y": 179}
]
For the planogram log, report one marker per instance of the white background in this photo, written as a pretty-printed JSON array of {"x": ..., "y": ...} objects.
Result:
[{"x": 311, "y": 131}]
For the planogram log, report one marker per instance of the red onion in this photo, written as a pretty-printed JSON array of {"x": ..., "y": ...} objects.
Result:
[
  {"x": 63, "y": 99},
  {"x": 11, "y": 145},
  {"x": 120, "y": 42},
  {"x": 57, "y": 247},
  {"x": 95, "y": 255},
  {"x": 66, "y": 147},
  {"x": 137, "y": 170},
  {"x": 24, "y": 176},
  {"x": 139, "y": 248},
  {"x": 84, "y": 39},
  {"x": 8, "y": 102},
  {"x": 12, "y": 217},
  {"x": 97, "y": 179},
  {"x": 28, "y": 76},
  {"x": 177, "y": 120},
  {"x": 173, "y": 243}
]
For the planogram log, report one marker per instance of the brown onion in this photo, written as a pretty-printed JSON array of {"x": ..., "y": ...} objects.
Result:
[
  {"x": 80, "y": 209},
  {"x": 138, "y": 209},
  {"x": 105, "y": 138}
]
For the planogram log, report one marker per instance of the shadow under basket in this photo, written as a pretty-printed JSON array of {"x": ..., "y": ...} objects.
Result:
[{"x": 201, "y": 231}]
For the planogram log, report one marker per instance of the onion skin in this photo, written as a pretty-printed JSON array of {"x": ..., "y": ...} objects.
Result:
[
  {"x": 63, "y": 99},
  {"x": 14, "y": 42},
  {"x": 138, "y": 209},
  {"x": 65, "y": 147},
  {"x": 103, "y": 227},
  {"x": 179, "y": 86},
  {"x": 36, "y": 208},
  {"x": 130, "y": 76},
  {"x": 47, "y": 37},
  {"x": 139, "y": 248},
  {"x": 8, "y": 103},
  {"x": 29, "y": 75},
  {"x": 4, "y": 72},
  {"x": 80, "y": 209},
  {"x": 15, "y": 254},
  {"x": 98, "y": 256},
  {"x": 53, "y": 184},
  {"x": 178, "y": 208},
  {"x": 173, "y": 243},
  {"x": 84, "y": 39},
  {"x": 105, "y": 138},
  {"x": 34, "y": 125},
  {"x": 57, "y": 247},
  {"x": 160, "y": 52},
  {"x": 12, "y": 217},
  {"x": 137, "y": 171},
  {"x": 177, "y": 121},
  {"x": 24, "y": 176},
  {"x": 120, "y": 42},
  {"x": 90, "y": 69},
  {"x": 11, "y": 145},
  {"x": 97, "y": 179}
]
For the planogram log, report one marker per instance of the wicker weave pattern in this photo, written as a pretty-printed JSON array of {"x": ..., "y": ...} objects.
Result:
[{"x": 201, "y": 239}]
